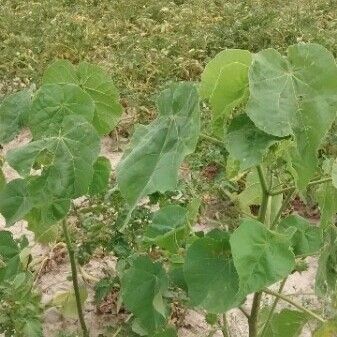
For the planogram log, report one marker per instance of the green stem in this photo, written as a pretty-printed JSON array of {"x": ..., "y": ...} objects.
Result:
[
  {"x": 272, "y": 309},
  {"x": 225, "y": 329},
  {"x": 293, "y": 303},
  {"x": 253, "y": 318},
  {"x": 292, "y": 188},
  {"x": 71, "y": 253},
  {"x": 213, "y": 140}
]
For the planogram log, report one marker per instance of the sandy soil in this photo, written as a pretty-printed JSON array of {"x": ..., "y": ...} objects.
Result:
[{"x": 55, "y": 279}]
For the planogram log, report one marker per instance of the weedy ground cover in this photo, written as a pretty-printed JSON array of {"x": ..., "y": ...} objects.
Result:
[{"x": 271, "y": 112}]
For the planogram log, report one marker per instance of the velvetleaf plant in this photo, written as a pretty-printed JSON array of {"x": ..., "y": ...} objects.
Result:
[
  {"x": 67, "y": 116},
  {"x": 272, "y": 114}
]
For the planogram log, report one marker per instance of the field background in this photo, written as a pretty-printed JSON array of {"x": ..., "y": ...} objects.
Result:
[{"x": 145, "y": 45}]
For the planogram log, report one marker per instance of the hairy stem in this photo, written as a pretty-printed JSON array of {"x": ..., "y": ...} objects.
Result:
[
  {"x": 272, "y": 309},
  {"x": 295, "y": 304},
  {"x": 74, "y": 275},
  {"x": 293, "y": 188}
]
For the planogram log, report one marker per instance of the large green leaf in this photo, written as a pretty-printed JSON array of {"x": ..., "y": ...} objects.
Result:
[
  {"x": 286, "y": 323},
  {"x": 326, "y": 196},
  {"x": 168, "y": 332},
  {"x": 261, "y": 257},
  {"x": 10, "y": 263},
  {"x": 168, "y": 228},
  {"x": 224, "y": 83},
  {"x": 295, "y": 96},
  {"x": 307, "y": 238},
  {"x": 66, "y": 156},
  {"x": 326, "y": 277},
  {"x": 156, "y": 152},
  {"x": 212, "y": 280},
  {"x": 53, "y": 103},
  {"x": 12, "y": 110},
  {"x": 246, "y": 143},
  {"x": 96, "y": 83},
  {"x": 143, "y": 286}
]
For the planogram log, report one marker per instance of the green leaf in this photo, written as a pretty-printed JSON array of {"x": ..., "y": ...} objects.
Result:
[
  {"x": 261, "y": 257},
  {"x": 72, "y": 149},
  {"x": 246, "y": 143},
  {"x": 53, "y": 103},
  {"x": 15, "y": 201},
  {"x": 156, "y": 152},
  {"x": 65, "y": 302},
  {"x": 295, "y": 96},
  {"x": 96, "y": 83},
  {"x": 210, "y": 274},
  {"x": 100, "y": 180},
  {"x": 168, "y": 228},
  {"x": 326, "y": 196},
  {"x": 12, "y": 110},
  {"x": 143, "y": 286},
  {"x": 287, "y": 323},
  {"x": 307, "y": 238},
  {"x": 225, "y": 83},
  {"x": 10, "y": 263},
  {"x": 328, "y": 329},
  {"x": 326, "y": 277}
]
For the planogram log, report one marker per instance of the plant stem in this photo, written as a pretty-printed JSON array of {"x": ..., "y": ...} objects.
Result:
[
  {"x": 71, "y": 253},
  {"x": 213, "y": 140},
  {"x": 252, "y": 321},
  {"x": 272, "y": 309},
  {"x": 292, "y": 188},
  {"x": 296, "y": 305},
  {"x": 253, "y": 318},
  {"x": 283, "y": 207},
  {"x": 224, "y": 328}
]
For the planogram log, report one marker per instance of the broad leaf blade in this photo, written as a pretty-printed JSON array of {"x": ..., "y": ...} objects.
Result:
[
  {"x": 307, "y": 238},
  {"x": 326, "y": 196},
  {"x": 246, "y": 143},
  {"x": 143, "y": 286},
  {"x": 15, "y": 201},
  {"x": 94, "y": 82},
  {"x": 12, "y": 110},
  {"x": 156, "y": 152},
  {"x": 168, "y": 228},
  {"x": 210, "y": 274},
  {"x": 53, "y": 103},
  {"x": 10, "y": 263},
  {"x": 225, "y": 83},
  {"x": 286, "y": 323},
  {"x": 295, "y": 96},
  {"x": 261, "y": 257}
]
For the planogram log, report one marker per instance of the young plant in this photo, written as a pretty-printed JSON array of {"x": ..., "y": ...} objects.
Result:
[
  {"x": 272, "y": 113},
  {"x": 74, "y": 107}
]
